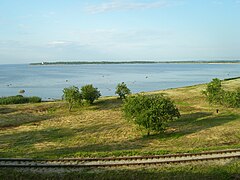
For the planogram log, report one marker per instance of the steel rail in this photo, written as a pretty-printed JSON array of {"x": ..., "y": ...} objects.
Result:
[
  {"x": 126, "y": 157},
  {"x": 118, "y": 164}
]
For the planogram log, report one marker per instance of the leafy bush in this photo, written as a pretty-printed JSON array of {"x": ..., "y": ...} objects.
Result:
[
  {"x": 19, "y": 99},
  {"x": 90, "y": 93},
  {"x": 214, "y": 91},
  {"x": 150, "y": 112},
  {"x": 72, "y": 96},
  {"x": 34, "y": 99},
  {"x": 122, "y": 90}
]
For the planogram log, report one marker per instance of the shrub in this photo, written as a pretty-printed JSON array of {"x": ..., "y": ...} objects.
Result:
[
  {"x": 122, "y": 90},
  {"x": 19, "y": 99},
  {"x": 72, "y": 96},
  {"x": 151, "y": 112},
  {"x": 214, "y": 91},
  {"x": 34, "y": 99},
  {"x": 90, "y": 93}
]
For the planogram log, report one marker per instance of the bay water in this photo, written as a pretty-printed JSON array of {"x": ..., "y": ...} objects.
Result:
[{"x": 49, "y": 81}]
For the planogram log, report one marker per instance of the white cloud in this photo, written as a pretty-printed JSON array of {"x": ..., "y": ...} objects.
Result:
[
  {"x": 123, "y": 43},
  {"x": 124, "y": 5},
  {"x": 56, "y": 43},
  {"x": 62, "y": 43},
  {"x": 114, "y": 36}
]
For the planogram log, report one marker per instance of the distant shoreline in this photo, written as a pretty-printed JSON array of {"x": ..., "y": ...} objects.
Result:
[{"x": 136, "y": 62}]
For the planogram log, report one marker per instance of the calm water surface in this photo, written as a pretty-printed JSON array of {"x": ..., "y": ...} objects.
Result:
[{"x": 49, "y": 81}]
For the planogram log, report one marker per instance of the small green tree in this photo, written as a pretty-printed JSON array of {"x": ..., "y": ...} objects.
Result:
[
  {"x": 72, "y": 96},
  {"x": 122, "y": 90},
  {"x": 90, "y": 93},
  {"x": 150, "y": 112},
  {"x": 214, "y": 91}
]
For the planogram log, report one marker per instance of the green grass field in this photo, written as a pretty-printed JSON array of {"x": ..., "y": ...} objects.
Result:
[{"x": 48, "y": 130}]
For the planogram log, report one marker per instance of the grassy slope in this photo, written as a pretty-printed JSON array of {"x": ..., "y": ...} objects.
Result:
[{"x": 49, "y": 130}]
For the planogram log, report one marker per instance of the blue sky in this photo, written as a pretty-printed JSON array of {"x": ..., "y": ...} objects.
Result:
[{"x": 51, "y": 30}]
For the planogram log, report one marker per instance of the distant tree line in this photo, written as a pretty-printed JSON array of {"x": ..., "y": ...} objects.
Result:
[{"x": 92, "y": 62}]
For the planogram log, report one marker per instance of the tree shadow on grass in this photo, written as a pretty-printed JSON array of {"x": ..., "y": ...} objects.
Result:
[
  {"x": 195, "y": 122},
  {"x": 188, "y": 126},
  {"x": 19, "y": 141},
  {"x": 91, "y": 149},
  {"x": 107, "y": 104},
  {"x": 6, "y": 110},
  {"x": 97, "y": 128},
  {"x": 28, "y": 139},
  {"x": 194, "y": 116},
  {"x": 18, "y": 119}
]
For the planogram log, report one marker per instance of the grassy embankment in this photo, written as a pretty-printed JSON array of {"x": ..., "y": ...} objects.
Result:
[{"x": 48, "y": 130}]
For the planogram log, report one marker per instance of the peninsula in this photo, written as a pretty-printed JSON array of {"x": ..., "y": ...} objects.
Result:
[{"x": 133, "y": 62}]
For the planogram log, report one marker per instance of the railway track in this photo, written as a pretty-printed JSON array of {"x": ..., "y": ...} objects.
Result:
[{"x": 119, "y": 161}]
